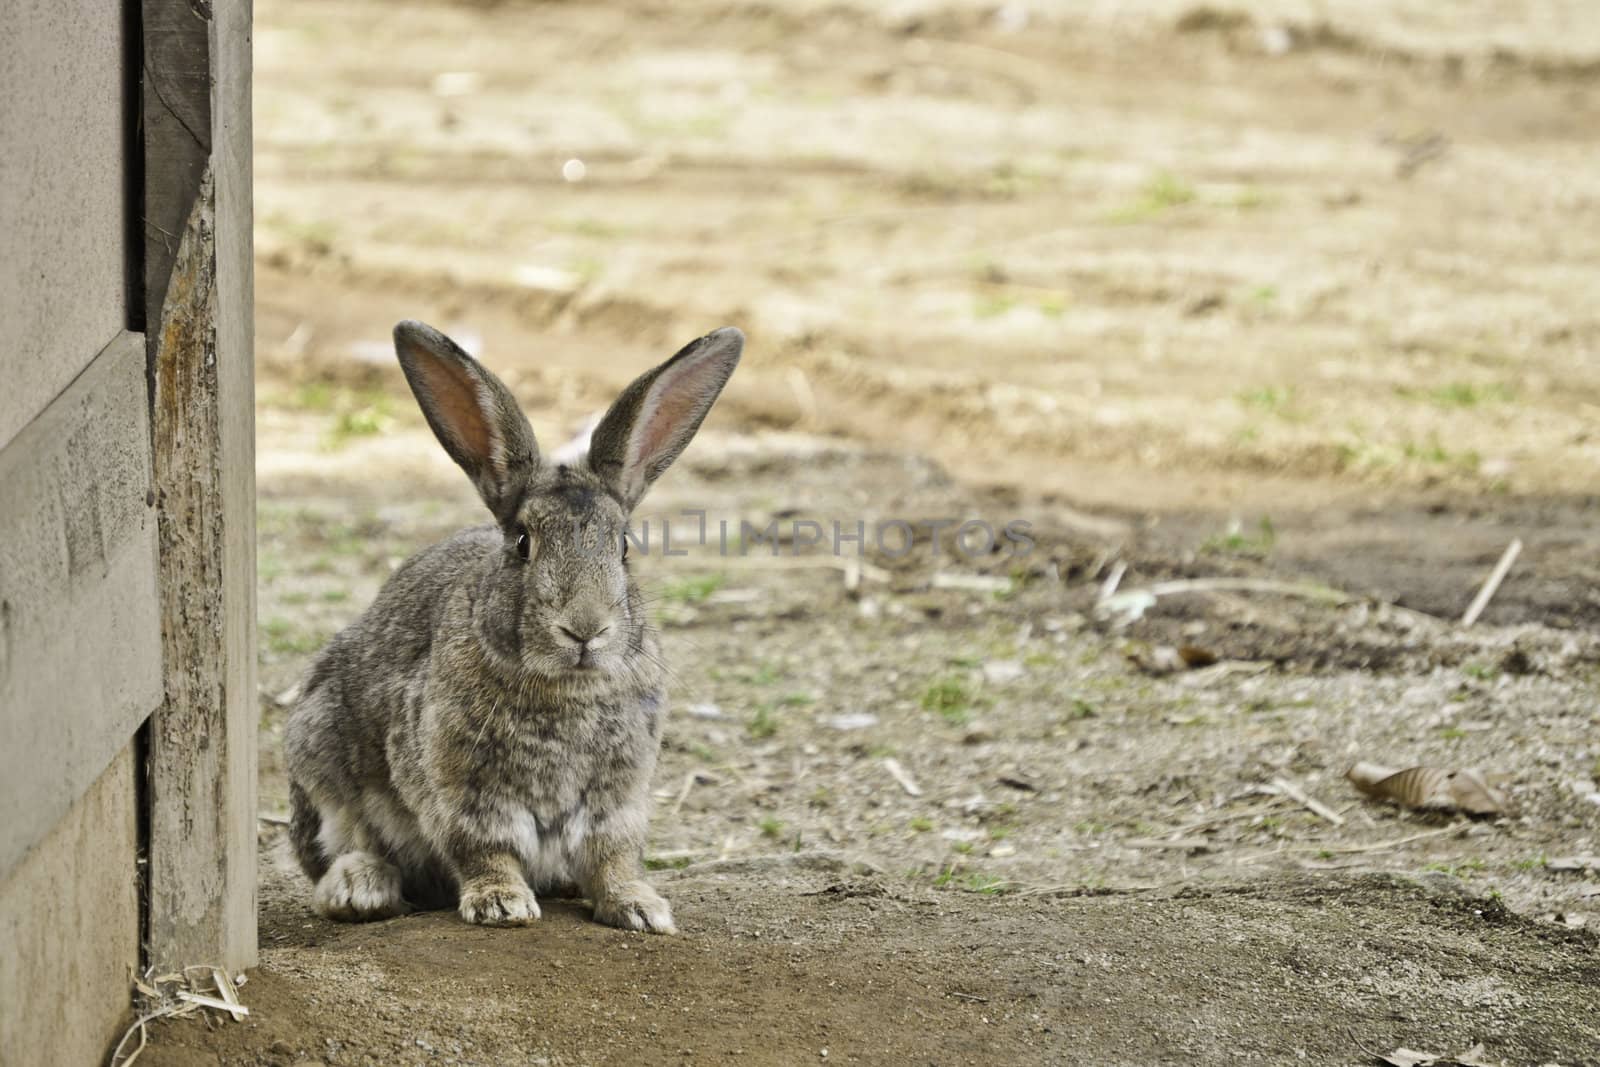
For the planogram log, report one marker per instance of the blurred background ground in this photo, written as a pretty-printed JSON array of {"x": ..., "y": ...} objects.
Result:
[{"x": 1295, "y": 291}]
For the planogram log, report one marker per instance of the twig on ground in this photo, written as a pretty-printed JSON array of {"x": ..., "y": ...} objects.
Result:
[
  {"x": 1492, "y": 583},
  {"x": 975, "y": 583},
  {"x": 1345, "y": 850},
  {"x": 683, "y": 793},
  {"x": 898, "y": 773},
  {"x": 1113, "y": 580},
  {"x": 869, "y": 571},
  {"x": 1299, "y": 796},
  {"x": 1217, "y": 820},
  {"x": 1248, "y": 585}
]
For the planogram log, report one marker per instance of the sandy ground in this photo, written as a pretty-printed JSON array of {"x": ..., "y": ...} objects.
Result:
[{"x": 1303, "y": 296}]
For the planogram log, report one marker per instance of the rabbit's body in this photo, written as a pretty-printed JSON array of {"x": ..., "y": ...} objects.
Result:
[{"x": 488, "y": 728}]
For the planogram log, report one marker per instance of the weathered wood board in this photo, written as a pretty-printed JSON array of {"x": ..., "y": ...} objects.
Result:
[
  {"x": 62, "y": 197},
  {"x": 200, "y": 759},
  {"x": 80, "y": 621}
]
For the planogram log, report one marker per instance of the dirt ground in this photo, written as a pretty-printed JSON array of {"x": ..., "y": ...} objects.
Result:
[{"x": 1302, "y": 296}]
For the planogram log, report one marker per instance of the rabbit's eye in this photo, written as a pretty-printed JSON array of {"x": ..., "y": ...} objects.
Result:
[{"x": 524, "y": 544}]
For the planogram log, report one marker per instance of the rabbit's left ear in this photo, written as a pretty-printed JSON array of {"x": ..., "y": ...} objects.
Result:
[{"x": 655, "y": 417}]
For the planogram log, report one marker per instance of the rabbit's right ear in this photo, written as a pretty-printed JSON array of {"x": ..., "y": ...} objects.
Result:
[{"x": 473, "y": 415}]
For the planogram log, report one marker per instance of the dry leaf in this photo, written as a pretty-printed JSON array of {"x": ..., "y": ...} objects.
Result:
[
  {"x": 1429, "y": 788},
  {"x": 1405, "y": 1057},
  {"x": 1164, "y": 659},
  {"x": 1157, "y": 659}
]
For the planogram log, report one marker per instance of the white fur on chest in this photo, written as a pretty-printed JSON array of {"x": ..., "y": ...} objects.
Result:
[{"x": 547, "y": 854}]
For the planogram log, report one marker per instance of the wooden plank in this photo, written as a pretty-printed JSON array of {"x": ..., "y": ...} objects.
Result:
[
  {"x": 200, "y": 762},
  {"x": 62, "y": 203},
  {"x": 69, "y": 929},
  {"x": 80, "y": 622}
]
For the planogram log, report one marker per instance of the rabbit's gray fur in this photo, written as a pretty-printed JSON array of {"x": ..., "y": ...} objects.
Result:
[{"x": 488, "y": 728}]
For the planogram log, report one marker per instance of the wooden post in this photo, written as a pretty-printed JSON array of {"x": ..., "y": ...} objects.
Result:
[{"x": 200, "y": 744}]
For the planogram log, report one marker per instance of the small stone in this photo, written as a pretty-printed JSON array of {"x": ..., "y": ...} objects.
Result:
[
  {"x": 977, "y": 733},
  {"x": 1001, "y": 671}
]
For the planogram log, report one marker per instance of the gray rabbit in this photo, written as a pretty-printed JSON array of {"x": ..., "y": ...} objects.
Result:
[{"x": 488, "y": 728}]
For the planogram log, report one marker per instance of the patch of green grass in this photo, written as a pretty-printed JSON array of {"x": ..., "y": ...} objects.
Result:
[
  {"x": 702, "y": 752},
  {"x": 761, "y": 674},
  {"x": 921, "y": 824},
  {"x": 361, "y": 420},
  {"x": 269, "y": 565},
  {"x": 950, "y": 699},
  {"x": 1483, "y": 672},
  {"x": 763, "y": 724},
  {"x": 1077, "y": 709},
  {"x": 1272, "y": 399},
  {"x": 295, "y": 598},
  {"x": 691, "y": 589},
  {"x": 1089, "y": 828},
  {"x": 1249, "y": 198},
  {"x": 963, "y": 847},
  {"x": 1451, "y": 733},
  {"x": 1532, "y": 863},
  {"x": 587, "y": 269},
  {"x": 1053, "y": 306},
  {"x": 317, "y": 234},
  {"x": 797, "y": 700},
  {"x": 993, "y": 305},
  {"x": 284, "y": 638},
  {"x": 314, "y": 397},
  {"x": 821, "y": 797},
  {"x": 1161, "y": 193},
  {"x": 987, "y": 884},
  {"x": 656, "y": 863},
  {"x": 1235, "y": 542},
  {"x": 770, "y": 827},
  {"x": 588, "y": 227},
  {"x": 334, "y": 596},
  {"x": 1461, "y": 394},
  {"x": 1465, "y": 869}
]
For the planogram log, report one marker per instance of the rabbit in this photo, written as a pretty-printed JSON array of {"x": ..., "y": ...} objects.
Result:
[{"x": 487, "y": 730}]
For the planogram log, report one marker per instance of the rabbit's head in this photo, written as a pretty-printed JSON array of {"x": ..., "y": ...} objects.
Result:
[{"x": 559, "y": 599}]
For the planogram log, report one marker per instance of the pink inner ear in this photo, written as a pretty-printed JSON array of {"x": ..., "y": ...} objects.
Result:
[
  {"x": 672, "y": 404},
  {"x": 455, "y": 399}
]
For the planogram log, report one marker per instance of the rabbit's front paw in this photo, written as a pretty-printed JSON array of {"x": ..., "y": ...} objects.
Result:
[
  {"x": 635, "y": 906},
  {"x": 498, "y": 904},
  {"x": 359, "y": 887}
]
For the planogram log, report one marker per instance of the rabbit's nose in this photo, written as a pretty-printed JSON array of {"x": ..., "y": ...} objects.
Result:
[{"x": 587, "y": 637}]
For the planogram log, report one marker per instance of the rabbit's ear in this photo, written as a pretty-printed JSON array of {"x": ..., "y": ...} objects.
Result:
[
  {"x": 655, "y": 417},
  {"x": 473, "y": 415}
]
